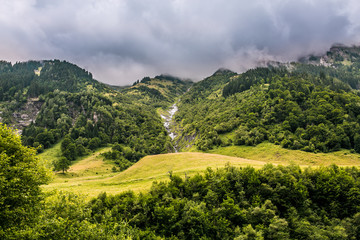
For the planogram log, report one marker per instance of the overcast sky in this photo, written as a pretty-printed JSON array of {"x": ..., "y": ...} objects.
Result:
[{"x": 120, "y": 41}]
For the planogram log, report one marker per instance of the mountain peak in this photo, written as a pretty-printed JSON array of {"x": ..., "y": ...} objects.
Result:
[{"x": 222, "y": 71}]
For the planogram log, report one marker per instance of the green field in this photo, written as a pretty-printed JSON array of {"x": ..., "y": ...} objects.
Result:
[
  {"x": 50, "y": 155},
  {"x": 272, "y": 153},
  {"x": 92, "y": 175}
]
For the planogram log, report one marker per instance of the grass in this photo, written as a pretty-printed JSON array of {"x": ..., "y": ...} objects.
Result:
[
  {"x": 48, "y": 156},
  {"x": 272, "y": 153},
  {"x": 91, "y": 165},
  {"x": 93, "y": 175}
]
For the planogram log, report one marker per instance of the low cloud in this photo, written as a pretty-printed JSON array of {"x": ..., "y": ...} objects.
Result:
[{"x": 122, "y": 41}]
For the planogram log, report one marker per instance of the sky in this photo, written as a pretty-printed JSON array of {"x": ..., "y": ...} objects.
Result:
[{"x": 121, "y": 41}]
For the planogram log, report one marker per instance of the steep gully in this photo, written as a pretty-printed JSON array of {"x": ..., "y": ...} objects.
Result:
[{"x": 167, "y": 123}]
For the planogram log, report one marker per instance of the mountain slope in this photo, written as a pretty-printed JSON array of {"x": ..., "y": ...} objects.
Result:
[
  {"x": 140, "y": 176},
  {"x": 23, "y": 83},
  {"x": 33, "y": 78},
  {"x": 56, "y": 101},
  {"x": 160, "y": 91},
  {"x": 313, "y": 110}
]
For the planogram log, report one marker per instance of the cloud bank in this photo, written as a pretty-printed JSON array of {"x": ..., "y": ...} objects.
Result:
[{"x": 120, "y": 41}]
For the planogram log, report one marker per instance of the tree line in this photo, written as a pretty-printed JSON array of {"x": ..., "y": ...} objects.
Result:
[
  {"x": 294, "y": 109},
  {"x": 86, "y": 121},
  {"x": 273, "y": 202}
]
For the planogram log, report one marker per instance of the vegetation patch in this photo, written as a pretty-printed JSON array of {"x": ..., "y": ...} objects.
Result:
[
  {"x": 93, "y": 175},
  {"x": 271, "y": 153}
]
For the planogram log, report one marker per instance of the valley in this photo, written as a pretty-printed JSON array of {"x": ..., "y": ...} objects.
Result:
[
  {"x": 296, "y": 113},
  {"x": 275, "y": 147},
  {"x": 93, "y": 175}
]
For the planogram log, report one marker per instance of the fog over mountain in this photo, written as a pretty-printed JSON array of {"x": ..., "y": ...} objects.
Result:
[{"x": 121, "y": 41}]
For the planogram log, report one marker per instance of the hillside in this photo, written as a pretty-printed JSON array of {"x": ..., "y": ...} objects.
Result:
[
  {"x": 93, "y": 175},
  {"x": 180, "y": 189},
  {"x": 109, "y": 146},
  {"x": 24, "y": 85},
  {"x": 56, "y": 101},
  {"x": 311, "y": 105},
  {"x": 159, "y": 92},
  {"x": 304, "y": 106}
]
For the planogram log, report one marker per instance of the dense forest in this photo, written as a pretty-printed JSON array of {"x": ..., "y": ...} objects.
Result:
[
  {"x": 312, "y": 105},
  {"x": 62, "y": 102},
  {"x": 158, "y": 92},
  {"x": 301, "y": 106},
  {"x": 86, "y": 121},
  {"x": 269, "y": 203},
  {"x": 273, "y": 202},
  {"x": 33, "y": 78}
]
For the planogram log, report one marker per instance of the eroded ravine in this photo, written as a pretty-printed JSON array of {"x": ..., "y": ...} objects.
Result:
[{"x": 168, "y": 121}]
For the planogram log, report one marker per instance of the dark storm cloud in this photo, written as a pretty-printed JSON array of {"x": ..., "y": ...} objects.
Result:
[{"x": 121, "y": 41}]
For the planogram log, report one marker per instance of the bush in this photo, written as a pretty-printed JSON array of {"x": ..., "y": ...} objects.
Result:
[{"x": 21, "y": 175}]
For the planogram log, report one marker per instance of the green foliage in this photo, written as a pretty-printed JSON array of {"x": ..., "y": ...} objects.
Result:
[
  {"x": 250, "y": 78},
  {"x": 205, "y": 88},
  {"x": 123, "y": 157},
  {"x": 91, "y": 116},
  {"x": 357, "y": 143},
  {"x": 245, "y": 203},
  {"x": 158, "y": 92},
  {"x": 20, "y": 81},
  {"x": 20, "y": 178},
  {"x": 61, "y": 164},
  {"x": 66, "y": 216},
  {"x": 88, "y": 114},
  {"x": 97, "y": 121},
  {"x": 292, "y": 109}
]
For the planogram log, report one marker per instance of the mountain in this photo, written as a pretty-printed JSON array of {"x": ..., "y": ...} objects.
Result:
[
  {"x": 337, "y": 55},
  {"x": 23, "y": 83},
  {"x": 34, "y": 78},
  {"x": 308, "y": 106},
  {"x": 52, "y": 101},
  {"x": 159, "y": 92},
  {"x": 312, "y": 105}
]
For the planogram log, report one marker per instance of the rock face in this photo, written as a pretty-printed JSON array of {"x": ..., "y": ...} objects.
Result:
[{"x": 27, "y": 114}]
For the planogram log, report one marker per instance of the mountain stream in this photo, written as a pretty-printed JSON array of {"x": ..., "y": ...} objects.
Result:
[{"x": 167, "y": 121}]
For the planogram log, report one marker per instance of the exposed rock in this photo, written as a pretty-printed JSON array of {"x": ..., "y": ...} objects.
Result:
[{"x": 26, "y": 114}]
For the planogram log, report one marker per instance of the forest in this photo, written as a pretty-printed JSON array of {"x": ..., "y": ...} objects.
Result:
[
  {"x": 308, "y": 107},
  {"x": 302, "y": 106},
  {"x": 273, "y": 202},
  {"x": 85, "y": 114}
]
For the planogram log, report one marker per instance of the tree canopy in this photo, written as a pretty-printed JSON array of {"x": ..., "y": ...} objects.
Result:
[{"x": 21, "y": 175}]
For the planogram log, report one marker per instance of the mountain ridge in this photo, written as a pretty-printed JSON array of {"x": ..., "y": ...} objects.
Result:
[
  {"x": 226, "y": 108},
  {"x": 298, "y": 108}
]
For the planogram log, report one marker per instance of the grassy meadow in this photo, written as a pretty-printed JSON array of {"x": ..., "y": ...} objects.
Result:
[
  {"x": 271, "y": 153},
  {"x": 92, "y": 175}
]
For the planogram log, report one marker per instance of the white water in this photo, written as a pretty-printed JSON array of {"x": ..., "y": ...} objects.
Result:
[
  {"x": 171, "y": 112},
  {"x": 167, "y": 121}
]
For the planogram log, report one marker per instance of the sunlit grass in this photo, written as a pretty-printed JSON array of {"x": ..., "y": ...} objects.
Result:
[
  {"x": 272, "y": 153},
  {"x": 93, "y": 175},
  {"x": 50, "y": 155}
]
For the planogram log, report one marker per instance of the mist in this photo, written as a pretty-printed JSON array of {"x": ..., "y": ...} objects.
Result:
[{"x": 122, "y": 41}]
